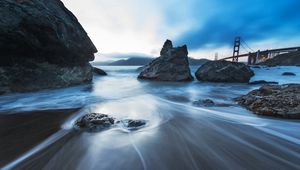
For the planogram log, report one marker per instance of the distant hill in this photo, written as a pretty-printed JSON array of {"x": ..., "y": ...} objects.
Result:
[{"x": 139, "y": 61}]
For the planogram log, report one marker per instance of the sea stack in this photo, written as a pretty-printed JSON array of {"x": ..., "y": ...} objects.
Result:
[
  {"x": 172, "y": 65},
  {"x": 224, "y": 71},
  {"x": 42, "y": 46}
]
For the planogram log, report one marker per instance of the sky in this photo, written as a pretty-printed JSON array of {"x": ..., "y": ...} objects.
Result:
[{"x": 140, "y": 27}]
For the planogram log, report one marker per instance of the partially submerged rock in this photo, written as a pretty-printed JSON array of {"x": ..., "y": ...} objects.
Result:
[
  {"x": 288, "y": 74},
  {"x": 99, "y": 72},
  {"x": 224, "y": 71},
  {"x": 262, "y": 82},
  {"x": 95, "y": 122},
  {"x": 209, "y": 103},
  {"x": 172, "y": 65},
  {"x": 274, "y": 100},
  {"x": 42, "y": 46}
]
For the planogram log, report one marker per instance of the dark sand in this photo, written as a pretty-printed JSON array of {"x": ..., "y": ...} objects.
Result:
[{"x": 22, "y": 131}]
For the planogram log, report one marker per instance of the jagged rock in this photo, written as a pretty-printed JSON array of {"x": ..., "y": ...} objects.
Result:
[
  {"x": 262, "y": 82},
  {"x": 94, "y": 122},
  {"x": 288, "y": 74},
  {"x": 172, "y": 65},
  {"x": 274, "y": 100},
  {"x": 224, "y": 71},
  {"x": 39, "y": 40},
  {"x": 99, "y": 71}
]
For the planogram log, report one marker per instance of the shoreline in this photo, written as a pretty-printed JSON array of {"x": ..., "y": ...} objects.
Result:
[{"x": 21, "y": 131}]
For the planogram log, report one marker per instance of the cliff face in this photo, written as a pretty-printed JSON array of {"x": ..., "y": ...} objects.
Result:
[{"x": 39, "y": 37}]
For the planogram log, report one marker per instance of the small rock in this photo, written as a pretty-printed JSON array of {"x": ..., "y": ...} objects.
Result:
[
  {"x": 133, "y": 124},
  {"x": 205, "y": 103},
  {"x": 94, "y": 122},
  {"x": 262, "y": 82},
  {"x": 288, "y": 74},
  {"x": 99, "y": 72}
]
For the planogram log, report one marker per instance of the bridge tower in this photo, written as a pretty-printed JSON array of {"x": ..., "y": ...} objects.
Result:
[{"x": 236, "y": 49}]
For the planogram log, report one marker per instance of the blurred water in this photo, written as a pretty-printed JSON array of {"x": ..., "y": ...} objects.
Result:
[{"x": 178, "y": 135}]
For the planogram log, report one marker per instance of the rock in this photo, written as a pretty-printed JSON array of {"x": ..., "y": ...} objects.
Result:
[
  {"x": 288, "y": 74},
  {"x": 94, "y": 122},
  {"x": 205, "y": 103},
  {"x": 172, "y": 65},
  {"x": 224, "y": 71},
  {"x": 133, "y": 124},
  {"x": 274, "y": 100},
  {"x": 98, "y": 71},
  {"x": 287, "y": 59},
  {"x": 262, "y": 82},
  {"x": 209, "y": 103},
  {"x": 42, "y": 43}
]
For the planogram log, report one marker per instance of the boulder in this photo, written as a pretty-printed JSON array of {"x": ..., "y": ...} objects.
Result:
[
  {"x": 288, "y": 74},
  {"x": 274, "y": 100},
  {"x": 42, "y": 43},
  {"x": 99, "y": 72},
  {"x": 172, "y": 65},
  {"x": 224, "y": 71}
]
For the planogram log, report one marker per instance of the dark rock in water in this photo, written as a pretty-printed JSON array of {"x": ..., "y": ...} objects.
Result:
[
  {"x": 287, "y": 59},
  {"x": 99, "y": 72},
  {"x": 131, "y": 124},
  {"x": 224, "y": 71},
  {"x": 205, "y": 103},
  {"x": 262, "y": 82},
  {"x": 94, "y": 122},
  {"x": 288, "y": 74},
  {"x": 274, "y": 100},
  {"x": 43, "y": 44},
  {"x": 139, "y": 69},
  {"x": 172, "y": 65},
  {"x": 209, "y": 103}
]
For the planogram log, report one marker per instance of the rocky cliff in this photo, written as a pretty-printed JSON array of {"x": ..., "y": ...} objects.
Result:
[{"x": 42, "y": 41}]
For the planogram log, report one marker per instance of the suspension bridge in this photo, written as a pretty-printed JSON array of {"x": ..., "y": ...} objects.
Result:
[{"x": 258, "y": 56}]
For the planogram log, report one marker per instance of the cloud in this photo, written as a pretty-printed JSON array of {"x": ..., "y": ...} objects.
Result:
[{"x": 254, "y": 20}]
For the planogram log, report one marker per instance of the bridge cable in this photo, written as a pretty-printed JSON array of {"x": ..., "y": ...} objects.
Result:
[{"x": 248, "y": 46}]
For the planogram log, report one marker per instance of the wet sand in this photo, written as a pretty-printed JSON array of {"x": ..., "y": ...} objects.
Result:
[{"x": 20, "y": 132}]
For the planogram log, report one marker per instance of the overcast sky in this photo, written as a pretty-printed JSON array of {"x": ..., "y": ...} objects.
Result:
[{"x": 207, "y": 27}]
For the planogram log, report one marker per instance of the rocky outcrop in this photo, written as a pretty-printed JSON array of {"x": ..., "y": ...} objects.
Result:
[
  {"x": 42, "y": 43},
  {"x": 274, "y": 100},
  {"x": 99, "y": 72},
  {"x": 287, "y": 59},
  {"x": 96, "y": 122},
  {"x": 224, "y": 71},
  {"x": 172, "y": 65}
]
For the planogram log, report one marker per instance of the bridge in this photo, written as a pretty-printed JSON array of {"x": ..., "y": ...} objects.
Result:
[{"x": 258, "y": 56}]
